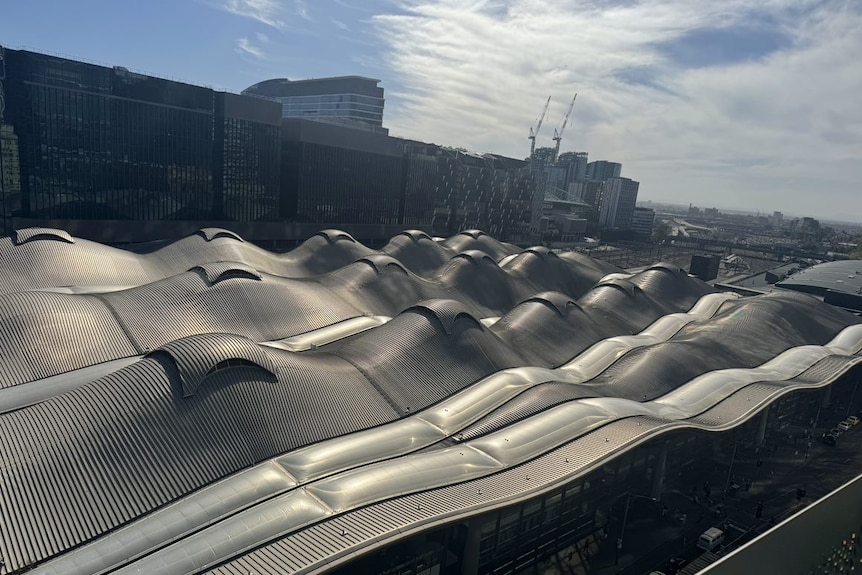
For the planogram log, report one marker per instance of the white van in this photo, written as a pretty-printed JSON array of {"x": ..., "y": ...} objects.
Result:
[{"x": 710, "y": 539}]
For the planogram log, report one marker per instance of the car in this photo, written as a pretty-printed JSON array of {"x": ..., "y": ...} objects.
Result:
[
  {"x": 844, "y": 426},
  {"x": 853, "y": 420},
  {"x": 834, "y": 431},
  {"x": 830, "y": 439}
]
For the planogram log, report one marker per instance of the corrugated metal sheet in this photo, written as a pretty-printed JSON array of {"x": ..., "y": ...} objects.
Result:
[
  {"x": 206, "y": 405},
  {"x": 210, "y": 234},
  {"x": 44, "y": 234},
  {"x": 44, "y": 334},
  {"x": 80, "y": 469}
]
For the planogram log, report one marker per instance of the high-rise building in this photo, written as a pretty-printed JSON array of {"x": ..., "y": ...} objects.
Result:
[
  {"x": 642, "y": 221},
  {"x": 576, "y": 165},
  {"x": 98, "y": 143},
  {"x": 619, "y": 196},
  {"x": 116, "y": 156},
  {"x": 335, "y": 175},
  {"x": 543, "y": 157},
  {"x": 602, "y": 170},
  {"x": 352, "y": 100},
  {"x": 500, "y": 195}
]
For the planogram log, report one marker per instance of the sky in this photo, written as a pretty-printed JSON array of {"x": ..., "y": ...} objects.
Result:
[{"x": 728, "y": 103}]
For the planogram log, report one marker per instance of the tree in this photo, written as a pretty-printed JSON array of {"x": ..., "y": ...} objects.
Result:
[{"x": 660, "y": 231}]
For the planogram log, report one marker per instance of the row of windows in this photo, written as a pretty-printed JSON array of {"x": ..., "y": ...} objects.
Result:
[
  {"x": 348, "y": 186},
  {"x": 251, "y": 177},
  {"x": 328, "y": 98},
  {"x": 138, "y": 161}
]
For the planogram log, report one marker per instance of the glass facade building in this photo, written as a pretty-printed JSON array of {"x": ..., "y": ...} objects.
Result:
[
  {"x": 460, "y": 190},
  {"x": 105, "y": 143},
  {"x": 337, "y": 175},
  {"x": 83, "y": 143},
  {"x": 354, "y": 100}
]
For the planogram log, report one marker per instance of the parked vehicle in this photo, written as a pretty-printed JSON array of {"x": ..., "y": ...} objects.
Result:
[
  {"x": 711, "y": 539},
  {"x": 830, "y": 439},
  {"x": 844, "y": 426},
  {"x": 853, "y": 420}
]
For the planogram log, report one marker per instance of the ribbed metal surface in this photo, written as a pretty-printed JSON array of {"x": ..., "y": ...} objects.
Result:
[
  {"x": 40, "y": 264},
  {"x": 544, "y": 268},
  {"x": 376, "y": 285},
  {"x": 669, "y": 282},
  {"x": 417, "y": 252},
  {"x": 428, "y": 353},
  {"x": 740, "y": 404},
  {"x": 42, "y": 234},
  {"x": 475, "y": 276},
  {"x": 550, "y": 328},
  {"x": 218, "y": 271},
  {"x": 210, "y": 402},
  {"x": 533, "y": 401},
  {"x": 200, "y": 356},
  {"x": 186, "y": 305},
  {"x": 479, "y": 240},
  {"x": 80, "y": 469},
  {"x": 602, "y": 267},
  {"x": 822, "y": 369},
  {"x": 210, "y": 234},
  {"x": 44, "y": 334},
  {"x": 625, "y": 303},
  {"x": 306, "y": 552},
  {"x": 388, "y": 520}
]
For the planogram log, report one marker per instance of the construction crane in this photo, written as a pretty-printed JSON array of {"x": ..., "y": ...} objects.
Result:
[
  {"x": 534, "y": 133},
  {"x": 558, "y": 135}
]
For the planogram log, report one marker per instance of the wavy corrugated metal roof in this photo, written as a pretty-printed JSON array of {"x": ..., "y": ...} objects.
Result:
[{"x": 193, "y": 445}]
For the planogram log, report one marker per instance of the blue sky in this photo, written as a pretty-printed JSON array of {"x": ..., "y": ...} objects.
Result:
[{"x": 727, "y": 103}]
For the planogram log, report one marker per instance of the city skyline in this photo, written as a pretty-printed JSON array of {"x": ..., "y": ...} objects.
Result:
[{"x": 726, "y": 106}]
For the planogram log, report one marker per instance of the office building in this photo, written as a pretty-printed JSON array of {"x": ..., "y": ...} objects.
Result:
[
  {"x": 472, "y": 191},
  {"x": 642, "y": 221},
  {"x": 575, "y": 164},
  {"x": 777, "y": 219},
  {"x": 334, "y": 175},
  {"x": 97, "y": 143},
  {"x": 619, "y": 196},
  {"x": 120, "y": 157},
  {"x": 543, "y": 157},
  {"x": 351, "y": 100},
  {"x": 602, "y": 170}
]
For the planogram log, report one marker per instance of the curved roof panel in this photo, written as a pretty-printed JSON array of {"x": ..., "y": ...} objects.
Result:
[{"x": 346, "y": 412}]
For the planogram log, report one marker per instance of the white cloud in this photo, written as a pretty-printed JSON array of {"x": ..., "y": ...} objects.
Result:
[
  {"x": 261, "y": 37},
  {"x": 301, "y": 9},
  {"x": 268, "y": 12},
  {"x": 776, "y": 132},
  {"x": 245, "y": 48},
  {"x": 340, "y": 24}
]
